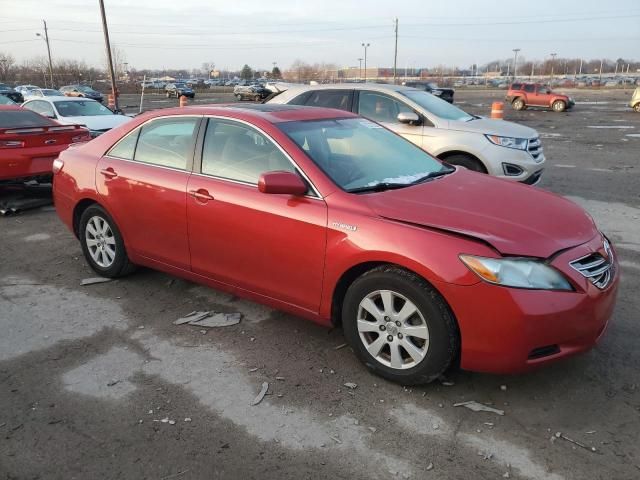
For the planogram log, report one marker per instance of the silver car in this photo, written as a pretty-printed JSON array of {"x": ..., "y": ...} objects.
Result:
[{"x": 499, "y": 148}]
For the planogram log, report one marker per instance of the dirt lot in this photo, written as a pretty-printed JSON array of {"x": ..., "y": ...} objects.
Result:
[{"x": 97, "y": 383}]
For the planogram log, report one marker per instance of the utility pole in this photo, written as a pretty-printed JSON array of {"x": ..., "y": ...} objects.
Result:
[
  {"x": 46, "y": 39},
  {"x": 580, "y": 67},
  {"x": 365, "y": 45},
  {"x": 360, "y": 69},
  {"x": 553, "y": 59},
  {"x": 600, "y": 79},
  {"x": 515, "y": 63},
  {"x": 395, "y": 54},
  {"x": 109, "y": 59}
]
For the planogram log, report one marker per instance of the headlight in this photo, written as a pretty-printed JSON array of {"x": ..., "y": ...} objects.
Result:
[
  {"x": 509, "y": 142},
  {"x": 520, "y": 273}
]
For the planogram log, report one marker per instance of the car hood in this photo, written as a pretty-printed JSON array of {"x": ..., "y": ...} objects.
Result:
[
  {"x": 515, "y": 219},
  {"x": 96, "y": 122},
  {"x": 494, "y": 127}
]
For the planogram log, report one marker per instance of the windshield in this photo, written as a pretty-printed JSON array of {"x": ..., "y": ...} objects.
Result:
[
  {"x": 51, "y": 93},
  {"x": 23, "y": 118},
  {"x": 357, "y": 153},
  {"x": 85, "y": 89},
  {"x": 181, "y": 85},
  {"x": 83, "y": 108},
  {"x": 435, "y": 105}
]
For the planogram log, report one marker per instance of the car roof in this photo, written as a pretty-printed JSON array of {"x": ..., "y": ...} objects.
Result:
[
  {"x": 272, "y": 113},
  {"x": 380, "y": 87},
  {"x": 61, "y": 97}
]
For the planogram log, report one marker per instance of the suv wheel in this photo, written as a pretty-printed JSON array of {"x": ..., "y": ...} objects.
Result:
[
  {"x": 518, "y": 104},
  {"x": 466, "y": 161},
  {"x": 559, "y": 106},
  {"x": 399, "y": 326},
  {"x": 102, "y": 243},
  {"x": 636, "y": 107},
  {"x": 238, "y": 96}
]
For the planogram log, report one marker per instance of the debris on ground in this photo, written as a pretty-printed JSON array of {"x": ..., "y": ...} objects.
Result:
[
  {"x": 94, "y": 280},
  {"x": 209, "y": 319},
  {"x": 351, "y": 385},
  {"x": 254, "y": 369},
  {"x": 478, "y": 407},
  {"x": 342, "y": 345},
  {"x": 263, "y": 392},
  {"x": 447, "y": 383},
  {"x": 503, "y": 388},
  {"x": 337, "y": 440},
  {"x": 430, "y": 466},
  {"x": 187, "y": 419},
  {"x": 280, "y": 379},
  {"x": 112, "y": 383},
  {"x": 575, "y": 442}
]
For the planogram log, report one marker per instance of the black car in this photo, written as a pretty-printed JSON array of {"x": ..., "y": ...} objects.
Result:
[
  {"x": 251, "y": 92},
  {"x": 179, "y": 89},
  {"x": 7, "y": 91},
  {"x": 445, "y": 94},
  {"x": 83, "y": 91}
]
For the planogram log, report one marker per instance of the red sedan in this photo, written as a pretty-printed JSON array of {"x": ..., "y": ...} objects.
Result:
[
  {"x": 331, "y": 217},
  {"x": 30, "y": 142}
]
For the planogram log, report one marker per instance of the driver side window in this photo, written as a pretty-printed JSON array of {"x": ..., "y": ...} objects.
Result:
[{"x": 380, "y": 108}]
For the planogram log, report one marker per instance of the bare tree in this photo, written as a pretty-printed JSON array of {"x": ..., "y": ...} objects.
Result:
[{"x": 7, "y": 63}]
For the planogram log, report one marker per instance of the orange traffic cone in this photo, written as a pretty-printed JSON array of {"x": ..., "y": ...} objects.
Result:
[
  {"x": 111, "y": 102},
  {"x": 497, "y": 110},
  {"x": 183, "y": 101}
]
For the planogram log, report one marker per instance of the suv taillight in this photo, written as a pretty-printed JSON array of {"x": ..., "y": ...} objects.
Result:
[
  {"x": 11, "y": 144},
  {"x": 57, "y": 165}
]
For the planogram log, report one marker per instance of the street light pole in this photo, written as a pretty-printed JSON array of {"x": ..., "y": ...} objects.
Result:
[
  {"x": 46, "y": 39},
  {"x": 360, "y": 69},
  {"x": 395, "y": 53},
  {"x": 109, "y": 59},
  {"x": 515, "y": 63},
  {"x": 553, "y": 60},
  {"x": 365, "y": 45}
]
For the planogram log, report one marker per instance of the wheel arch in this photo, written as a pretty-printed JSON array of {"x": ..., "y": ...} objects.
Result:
[
  {"x": 78, "y": 210},
  {"x": 449, "y": 153}
]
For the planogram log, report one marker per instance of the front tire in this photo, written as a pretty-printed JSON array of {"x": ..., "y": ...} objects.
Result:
[
  {"x": 102, "y": 243},
  {"x": 518, "y": 104},
  {"x": 399, "y": 326},
  {"x": 559, "y": 106},
  {"x": 466, "y": 161},
  {"x": 636, "y": 107},
  {"x": 238, "y": 96}
]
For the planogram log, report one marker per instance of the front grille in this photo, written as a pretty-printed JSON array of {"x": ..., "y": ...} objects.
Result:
[
  {"x": 596, "y": 268},
  {"x": 535, "y": 149}
]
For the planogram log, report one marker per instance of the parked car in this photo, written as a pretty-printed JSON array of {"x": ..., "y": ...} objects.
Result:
[
  {"x": 251, "y": 92},
  {"x": 42, "y": 92},
  {"x": 500, "y": 148},
  {"x": 424, "y": 265},
  {"x": 7, "y": 92},
  {"x": 24, "y": 89},
  {"x": 30, "y": 142},
  {"x": 635, "y": 100},
  {"x": 523, "y": 95},
  {"x": 77, "y": 111},
  {"x": 81, "y": 91},
  {"x": 178, "y": 90},
  {"x": 445, "y": 94}
]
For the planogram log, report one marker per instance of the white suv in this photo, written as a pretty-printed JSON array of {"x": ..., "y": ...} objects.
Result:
[{"x": 503, "y": 149}]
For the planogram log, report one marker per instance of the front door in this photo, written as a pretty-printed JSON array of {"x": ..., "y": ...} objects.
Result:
[
  {"x": 384, "y": 109},
  {"x": 143, "y": 182},
  {"x": 269, "y": 244}
]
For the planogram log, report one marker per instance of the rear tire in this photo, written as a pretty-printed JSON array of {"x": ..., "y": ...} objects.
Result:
[
  {"x": 558, "y": 106},
  {"x": 425, "y": 339},
  {"x": 102, "y": 243},
  {"x": 238, "y": 96},
  {"x": 636, "y": 107},
  {"x": 518, "y": 104},
  {"x": 466, "y": 161}
]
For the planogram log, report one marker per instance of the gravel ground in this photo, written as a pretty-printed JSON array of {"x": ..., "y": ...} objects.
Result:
[{"x": 97, "y": 382}]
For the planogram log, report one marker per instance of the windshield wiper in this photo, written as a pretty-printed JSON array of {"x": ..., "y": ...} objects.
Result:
[
  {"x": 439, "y": 173},
  {"x": 378, "y": 187}
]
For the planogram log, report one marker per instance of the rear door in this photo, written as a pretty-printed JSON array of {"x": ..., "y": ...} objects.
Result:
[
  {"x": 143, "y": 181},
  {"x": 384, "y": 109},
  {"x": 269, "y": 244},
  {"x": 531, "y": 94}
]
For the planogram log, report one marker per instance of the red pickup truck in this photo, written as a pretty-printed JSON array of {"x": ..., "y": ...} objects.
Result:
[{"x": 523, "y": 95}]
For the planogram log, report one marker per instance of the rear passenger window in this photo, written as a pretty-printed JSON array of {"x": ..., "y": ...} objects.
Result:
[
  {"x": 516, "y": 86},
  {"x": 237, "y": 152},
  {"x": 126, "y": 147},
  {"x": 300, "y": 99},
  {"x": 529, "y": 88},
  {"x": 167, "y": 142},
  {"x": 340, "y": 99}
]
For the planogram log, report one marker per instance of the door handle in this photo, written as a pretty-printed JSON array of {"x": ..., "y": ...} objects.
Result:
[
  {"x": 109, "y": 172},
  {"x": 201, "y": 195}
]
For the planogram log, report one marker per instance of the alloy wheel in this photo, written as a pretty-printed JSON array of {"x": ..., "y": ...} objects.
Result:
[
  {"x": 392, "y": 329},
  {"x": 101, "y": 242}
]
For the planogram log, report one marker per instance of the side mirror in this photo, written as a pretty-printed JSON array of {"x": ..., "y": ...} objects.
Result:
[
  {"x": 409, "y": 118},
  {"x": 281, "y": 182},
  {"x": 51, "y": 115}
]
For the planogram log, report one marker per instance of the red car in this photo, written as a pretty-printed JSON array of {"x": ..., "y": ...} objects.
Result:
[
  {"x": 523, "y": 95},
  {"x": 30, "y": 142},
  {"x": 334, "y": 218}
]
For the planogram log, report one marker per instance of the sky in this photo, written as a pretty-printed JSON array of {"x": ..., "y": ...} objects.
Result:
[{"x": 161, "y": 34}]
